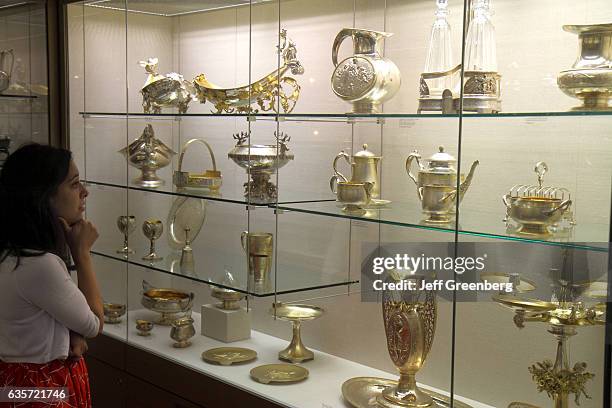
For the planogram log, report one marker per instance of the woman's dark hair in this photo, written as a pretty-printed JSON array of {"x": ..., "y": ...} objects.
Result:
[{"x": 29, "y": 178}]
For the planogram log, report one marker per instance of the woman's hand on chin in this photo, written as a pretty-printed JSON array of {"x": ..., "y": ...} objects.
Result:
[{"x": 80, "y": 236}]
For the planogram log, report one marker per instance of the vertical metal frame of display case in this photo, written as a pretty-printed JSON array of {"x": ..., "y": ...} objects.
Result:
[{"x": 543, "y": 124}]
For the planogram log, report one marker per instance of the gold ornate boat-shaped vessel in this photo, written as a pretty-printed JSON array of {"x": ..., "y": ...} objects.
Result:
[{"x": 263, "y": 92}]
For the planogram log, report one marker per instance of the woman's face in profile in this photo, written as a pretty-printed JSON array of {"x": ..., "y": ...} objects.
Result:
[{"x": 69, "y": 201}]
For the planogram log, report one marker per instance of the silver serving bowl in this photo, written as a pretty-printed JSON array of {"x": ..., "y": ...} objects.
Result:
[
  {"x": 113, "y": 312},
  {"x": 168, "y": 302},
  {"x": 169, "y": 91},
  {"x": 536, "y": 214},
  {"x": 259, "y": 158},
  {"x": 148, "y": 154}
]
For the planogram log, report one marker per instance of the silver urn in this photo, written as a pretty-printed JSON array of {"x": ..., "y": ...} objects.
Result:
[{"x": 261, "y": 162}]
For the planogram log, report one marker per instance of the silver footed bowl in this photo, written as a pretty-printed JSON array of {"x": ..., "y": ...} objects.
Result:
[
  {"x": 536, "y": 214},
  {"x": 168, "y": 302},
  {"x": 261, "y": 157}
]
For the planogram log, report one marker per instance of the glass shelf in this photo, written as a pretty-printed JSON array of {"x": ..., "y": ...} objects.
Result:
[
  {"x": 340, "y": 117},
  {"x": 235, "y": 197},
  {"x": 8, "y": 96},
  {"x": 592, "y": 237},
  {"x": 291, "y": 279}
]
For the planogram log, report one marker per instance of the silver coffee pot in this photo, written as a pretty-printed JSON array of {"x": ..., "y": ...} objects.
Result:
[
  {"x": 364, "y": 169},
  {"x": 6, "y": 70},
  {"x": 436, "y": 184}
]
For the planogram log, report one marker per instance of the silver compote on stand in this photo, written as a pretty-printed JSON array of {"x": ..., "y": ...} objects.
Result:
[{"x": 261, "y": 162}]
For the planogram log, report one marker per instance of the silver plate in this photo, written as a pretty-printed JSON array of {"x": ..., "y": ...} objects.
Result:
[
  {"x": 361, "y": 392},
  {"x": 185, "y": 211}
]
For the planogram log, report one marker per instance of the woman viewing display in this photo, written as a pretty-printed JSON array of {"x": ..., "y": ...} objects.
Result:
[{"x": 44, "y": 316}]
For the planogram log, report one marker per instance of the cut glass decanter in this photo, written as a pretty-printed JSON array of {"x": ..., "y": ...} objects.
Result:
[
  {"x": 480, "y": 51},
  {"x": 440, "y": 51}
]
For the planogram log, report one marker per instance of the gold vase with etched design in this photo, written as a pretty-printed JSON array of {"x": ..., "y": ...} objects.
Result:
[{"x": 410, "y": 323}]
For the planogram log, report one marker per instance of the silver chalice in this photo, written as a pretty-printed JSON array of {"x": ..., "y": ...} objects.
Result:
[
  {"x": 127, "y": 225},
  {"x": 152, "y": 229}
]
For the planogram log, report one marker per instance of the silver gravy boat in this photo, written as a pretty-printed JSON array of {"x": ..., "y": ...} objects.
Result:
[{"x": 436, "y": 184}]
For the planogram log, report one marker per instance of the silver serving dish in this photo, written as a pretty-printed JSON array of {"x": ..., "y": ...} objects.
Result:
[
  {"x": 169, "y": 90},
  {"x": 148, "y": 154},
  {"x": 536, "y": 214},
  {"x": 590, "y": 78},
  {"x": 169, "y": 302},
  {"x": 261, "y": 161}
]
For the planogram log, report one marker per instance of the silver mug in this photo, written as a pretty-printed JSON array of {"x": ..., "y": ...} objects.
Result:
[{"x": 258, "y": 246}]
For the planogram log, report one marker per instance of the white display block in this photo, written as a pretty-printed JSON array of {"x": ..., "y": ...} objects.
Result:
[{"x": 226, "y": 325}]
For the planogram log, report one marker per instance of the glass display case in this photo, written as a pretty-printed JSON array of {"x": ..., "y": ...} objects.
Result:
[
  {"x": 24, "y": 111},
  {"x": 266, "y": 171}
]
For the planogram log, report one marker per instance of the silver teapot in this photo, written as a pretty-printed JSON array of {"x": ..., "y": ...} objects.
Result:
[
  {"x": 364, "y": 169},
  {"x": 6, "y": 71},
  {"x": 366, "y": 79},
  {"x": 148, "y": 154},
  {"x": 436, "y": 184}
]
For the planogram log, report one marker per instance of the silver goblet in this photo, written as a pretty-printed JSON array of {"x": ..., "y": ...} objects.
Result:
[
  {"x": 127, "y": 225},
  {"x": 152, "y": 229}
]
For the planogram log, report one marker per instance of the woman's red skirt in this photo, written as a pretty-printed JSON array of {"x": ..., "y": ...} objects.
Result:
[{"x": 71, "y": 374}]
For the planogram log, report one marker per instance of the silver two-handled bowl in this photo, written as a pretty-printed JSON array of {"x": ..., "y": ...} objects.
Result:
[
  {"x": 169, "y": 302},
  {"x": 535, "y": 214},
  {"x": 260, "y": 158}
]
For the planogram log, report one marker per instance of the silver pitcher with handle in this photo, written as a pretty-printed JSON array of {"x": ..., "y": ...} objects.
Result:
[
  {"x": 366, "y": 79},
  {"x": 364, "y": 169},
  {"x": 436, "y": 183},
  {"x": 6, "y": 70}
]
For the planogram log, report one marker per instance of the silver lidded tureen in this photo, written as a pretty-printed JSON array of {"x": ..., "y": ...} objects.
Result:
[
  {"x": 261, "y": 162},
  {"x": 167, "y": 90},
  {"x": 148, "y": 154},
  {"x": 590, "y": 78}
]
